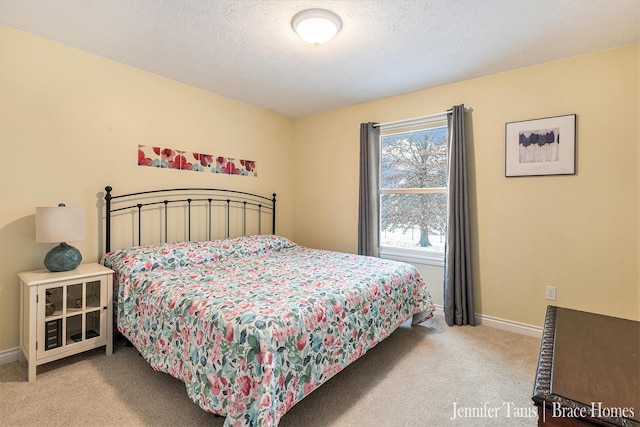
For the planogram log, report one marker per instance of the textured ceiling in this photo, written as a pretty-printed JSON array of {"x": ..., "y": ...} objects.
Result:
[{"x": 247, "y": 51}]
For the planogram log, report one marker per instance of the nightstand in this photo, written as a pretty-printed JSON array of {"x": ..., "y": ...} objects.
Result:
[{"x": 64, "y": 313}]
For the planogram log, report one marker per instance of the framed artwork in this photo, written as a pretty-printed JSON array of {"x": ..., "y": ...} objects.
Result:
[{"x": 541, "y": 146}]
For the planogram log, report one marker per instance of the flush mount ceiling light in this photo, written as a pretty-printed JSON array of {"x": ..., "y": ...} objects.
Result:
[{"x": 316, "y": 26}]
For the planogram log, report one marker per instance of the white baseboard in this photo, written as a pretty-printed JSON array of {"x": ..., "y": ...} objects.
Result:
[
  {"x": 504, "y": 324},
  {"x": 8, "y": 356},
  {"x": 439, "y": 310},
  {"x": 509, "y": 325}
]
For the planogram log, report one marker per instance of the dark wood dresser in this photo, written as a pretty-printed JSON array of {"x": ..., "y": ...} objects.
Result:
[{"x": 588, "y": 370}]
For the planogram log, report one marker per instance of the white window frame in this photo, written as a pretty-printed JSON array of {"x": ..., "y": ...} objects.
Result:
[{"x": 418, "y": 256}]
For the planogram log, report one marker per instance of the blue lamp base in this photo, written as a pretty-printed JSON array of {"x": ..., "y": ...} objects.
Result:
[{"x": 62, "y": 258}]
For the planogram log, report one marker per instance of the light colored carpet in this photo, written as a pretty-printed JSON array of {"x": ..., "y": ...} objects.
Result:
[{"x": 419, "y": 376}]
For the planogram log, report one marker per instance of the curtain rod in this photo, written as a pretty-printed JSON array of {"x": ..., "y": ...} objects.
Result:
[{"x": 415, "y": 119}]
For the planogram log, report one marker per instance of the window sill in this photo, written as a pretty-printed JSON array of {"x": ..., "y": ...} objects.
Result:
[{"x": 412, "y": 256}]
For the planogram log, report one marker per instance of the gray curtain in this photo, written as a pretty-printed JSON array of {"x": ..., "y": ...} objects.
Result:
[
  {"x": 368, "y": 209},
  {"x": 458, "y": 280}
]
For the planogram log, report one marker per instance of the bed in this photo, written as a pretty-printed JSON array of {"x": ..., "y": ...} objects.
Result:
[{"x": 254, "y": 323}]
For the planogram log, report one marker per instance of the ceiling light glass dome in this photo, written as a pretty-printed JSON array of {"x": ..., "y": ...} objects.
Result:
[{"x": 316, "y": 26}]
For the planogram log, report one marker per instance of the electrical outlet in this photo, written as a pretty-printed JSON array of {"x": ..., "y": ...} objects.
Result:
[{"x": 550, "y": 293}]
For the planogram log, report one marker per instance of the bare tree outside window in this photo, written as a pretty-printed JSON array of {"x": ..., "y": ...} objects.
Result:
[{"x": 413, "y": 202}]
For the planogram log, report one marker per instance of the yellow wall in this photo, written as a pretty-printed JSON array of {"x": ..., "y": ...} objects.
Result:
[
  {"x": 578, "y": 233},
  {"x": 70, "y": 123}
]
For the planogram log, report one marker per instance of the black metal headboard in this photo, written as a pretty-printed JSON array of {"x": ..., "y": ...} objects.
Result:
[{"x": 204, "y": 198}]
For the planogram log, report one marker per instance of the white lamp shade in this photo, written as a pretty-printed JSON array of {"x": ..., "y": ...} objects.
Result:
[
  {"x": 60, "y": 224},
  {"x": 316, "y": 26}
]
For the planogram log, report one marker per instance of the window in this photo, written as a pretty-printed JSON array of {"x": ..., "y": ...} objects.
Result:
[{"x": 413, "y": 190}]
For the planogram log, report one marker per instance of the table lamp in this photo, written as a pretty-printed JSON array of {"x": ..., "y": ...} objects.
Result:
[{"x": 61, "y": 224}]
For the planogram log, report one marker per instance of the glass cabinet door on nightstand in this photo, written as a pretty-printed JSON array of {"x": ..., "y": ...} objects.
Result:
[
  {"x": 94, "y": 312},
  {"x": 73, "y": 312},
  {"x": 53, "y": 316}
]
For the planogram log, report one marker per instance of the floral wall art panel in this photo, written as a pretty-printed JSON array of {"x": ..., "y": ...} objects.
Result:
[
  {"x": 148, "y": 156},
  {"x": 228, "y": 165},
  {"x": 169, "y": 158}
]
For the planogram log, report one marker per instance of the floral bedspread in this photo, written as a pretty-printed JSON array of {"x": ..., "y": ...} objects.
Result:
[{"x": 254, "y": 324}]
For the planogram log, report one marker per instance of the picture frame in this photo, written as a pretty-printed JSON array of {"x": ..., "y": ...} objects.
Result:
[{"x": 544, "y": 146}]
